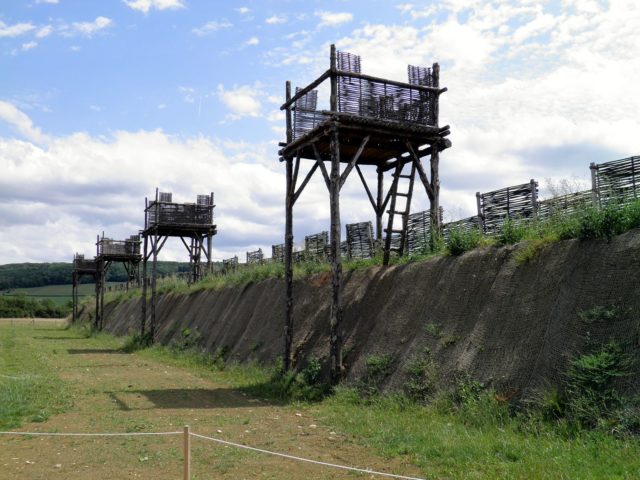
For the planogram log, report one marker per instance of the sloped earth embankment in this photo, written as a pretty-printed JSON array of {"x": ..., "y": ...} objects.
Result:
[{"x": 510, "y": 325}]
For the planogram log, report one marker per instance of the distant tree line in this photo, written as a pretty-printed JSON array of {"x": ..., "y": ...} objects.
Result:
[{"x": 26, "y": 275}]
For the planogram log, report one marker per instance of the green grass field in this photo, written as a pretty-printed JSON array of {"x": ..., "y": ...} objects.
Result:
[{"x": 60, "y": 294}]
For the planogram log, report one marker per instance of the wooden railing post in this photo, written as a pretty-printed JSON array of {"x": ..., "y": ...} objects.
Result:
[{"x": 186, "y": 447}]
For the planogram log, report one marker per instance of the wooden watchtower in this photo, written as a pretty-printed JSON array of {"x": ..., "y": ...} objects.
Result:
[
  {"x": 109, "y": 251},
  {"x": 192, "y": 223},
  {"x": 371, "y": 122},
  {"x": 81, "y": 267}
]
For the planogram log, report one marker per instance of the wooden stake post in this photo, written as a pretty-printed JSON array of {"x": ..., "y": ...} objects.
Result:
[
  {"x": 186, "y": 453},
  {"x": 371, "y": 121}
]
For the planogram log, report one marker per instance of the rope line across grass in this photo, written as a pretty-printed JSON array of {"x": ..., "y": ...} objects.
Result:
[
  {"x": 300, "y": 459},
  {"x": 63, "y": 434},
  {"x": 217, "y": 440}
]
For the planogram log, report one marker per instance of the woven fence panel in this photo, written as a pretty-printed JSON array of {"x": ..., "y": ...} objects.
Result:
[
  {"x": 277, "y": 253},
  {"x": 464, "y": 225},
  {"x": 230, "y": 264},
  {"x": 315, "y": 245},
  {"x": 618, "y": 180},
  {"x": 419, "y": 230},
  {"x": 305, "y": 114},
  {"x": 360, "y": 240},
  {"x": 299, "y": 257},
  {"x": 81, "y": 263},
  {"x": 514, "y": 202},
  {"x": 255, "y": 257},
  {"x": 179, "y": 214},
  {"x": 565, "y": 204},
  {"x": 382, "y": 100}
]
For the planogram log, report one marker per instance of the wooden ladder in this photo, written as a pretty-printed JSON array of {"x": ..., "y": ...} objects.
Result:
[{"x": 392, "y": 228}]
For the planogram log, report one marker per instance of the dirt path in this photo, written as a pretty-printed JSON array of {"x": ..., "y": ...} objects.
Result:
[{"x": 117, "y": 392}]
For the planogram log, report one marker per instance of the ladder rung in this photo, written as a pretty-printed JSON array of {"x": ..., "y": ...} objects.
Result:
[
  {"x": 404, "y": 176},
  {"x": 402, "y": 194},
  {"x": 392, "y": 230}
]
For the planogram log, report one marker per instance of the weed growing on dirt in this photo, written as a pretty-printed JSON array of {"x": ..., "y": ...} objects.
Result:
[
  {"x": 461, "y": 241},
  {"x": 422, "y": 376},
  {"x": 378, "y": 368}
]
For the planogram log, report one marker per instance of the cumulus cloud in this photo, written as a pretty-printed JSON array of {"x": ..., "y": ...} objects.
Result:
[
  {"x": 211, "y": 27},
  {"x": 332, "y": 19},
  {"x": 44, "y": 31},
  {"x": 242, "y": 101},
  {"x": 53, "y": 2},
  {"x": 275, "y": 19},
  {"x": 15, "y": 30},
  {"x": 252, "y": 42},
  {"x": 21, "y": 122},
  {"x": 88, "y": 29},
  {"x": 243, "y": 10},
  {"x": 521, "y": 81},
  {"x": 146, "y": 5}
]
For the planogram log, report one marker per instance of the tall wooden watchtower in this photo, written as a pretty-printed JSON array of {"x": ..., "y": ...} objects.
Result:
[
  {"x": 109, "y": 251},
  {"x": 81, "y": 267},
  {"x": 371, "y": 122},
  {"x": 192, "y": 223}
]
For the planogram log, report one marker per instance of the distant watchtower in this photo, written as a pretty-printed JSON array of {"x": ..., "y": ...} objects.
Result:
[
  {"x": 81, "y": 267},
  {"x": 192, "y": 223},
  {"x": 374, "y": 122},
  {"x": 109, "y": 251}
]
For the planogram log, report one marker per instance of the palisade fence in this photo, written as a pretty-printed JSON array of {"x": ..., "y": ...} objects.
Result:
[{"x": 616, "y": 181}]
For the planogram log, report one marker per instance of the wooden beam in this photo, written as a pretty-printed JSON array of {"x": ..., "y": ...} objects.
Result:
[
  {"x": 366, "y": 187},
  {"x": 421, "y": 172},
  {"x": 294, "y": 181},
  {"x": 354, "y": 160},
  {"x": 320, "y": 162},
  {"x": 370, "y": 78},
  {"x": 304, "y": 182},
  {"x": 306, "y": 89}
]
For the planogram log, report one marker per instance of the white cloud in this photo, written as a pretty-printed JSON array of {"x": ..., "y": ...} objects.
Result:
[
  {"x": 275, "y": 19},
  {"x": 243, "y": 10},
  {"x": 53, "y": 2},
  {"x": 188, "y": 94},
  {"x": 252, "y": 42},
  {"x": 29, "y": 46},
  {"x": 44, "y": 31},
  {"x": 88, "y": 29},
  {"x": 332, "y": 19},
  {"x": 211, "y": 27},
  {"x": 15, "y": 30},
  {"x": 21, "y": 122},
  {"x": 242, "y": 101},
  {"x": 146, "y": 5}
]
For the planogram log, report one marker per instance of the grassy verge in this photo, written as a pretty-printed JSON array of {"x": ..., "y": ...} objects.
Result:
[
  {"x": 29, "y": 387},
  {"x": 466, "y": 433}
]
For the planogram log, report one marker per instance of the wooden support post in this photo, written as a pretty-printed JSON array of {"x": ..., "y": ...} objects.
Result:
[
  {"x": 102, "y": 289},
  {"x": 186, "y": 453},
  {"x": 480, "y": 217},
  {"x": 154, "y": 275},
  {"x": 534, "y": 198},
  {"x": 594, "y": 184},
  {"x": 379, "y": 206},
  {"x": 435, "y": 187},
  {"x": 143, "y": 318},
  {"x": 335, "y": 340},
  {"x": 288, "y": 267},
  {"x": 288, "y": 242}
]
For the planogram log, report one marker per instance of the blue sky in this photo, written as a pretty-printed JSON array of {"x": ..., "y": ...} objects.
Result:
[{"x": 102, "y": 101}]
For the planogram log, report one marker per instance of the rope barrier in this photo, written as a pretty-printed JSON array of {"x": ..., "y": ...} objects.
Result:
[
  {"x": 301, "y": 459},
  {"x": 187, "y": 434},
  {"x": 61, "y": 434}
]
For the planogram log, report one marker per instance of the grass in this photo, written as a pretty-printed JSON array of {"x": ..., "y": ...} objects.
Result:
[
  {"x": 29, "y": 387},
  {"x": 465, "y": 433}
]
